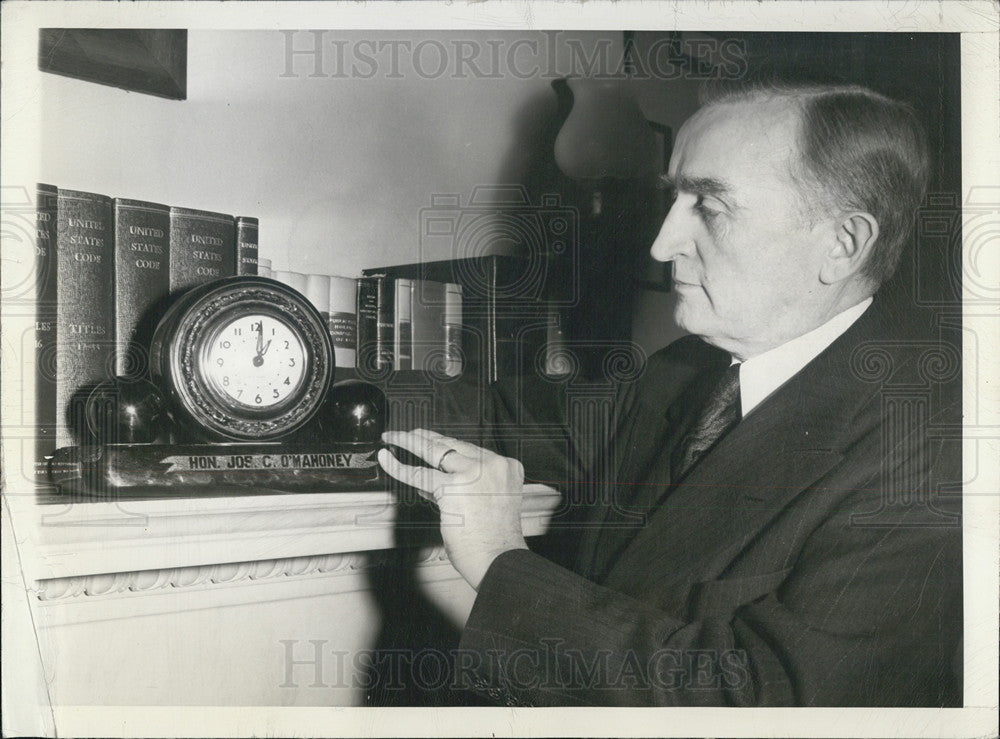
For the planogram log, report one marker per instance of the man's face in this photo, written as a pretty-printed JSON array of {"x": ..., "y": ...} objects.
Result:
[{"x": 746, "y": 260}]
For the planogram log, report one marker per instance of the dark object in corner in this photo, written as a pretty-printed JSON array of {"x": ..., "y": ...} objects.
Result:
[
  {"x": 355, "y": 412},
  {"x": 152, "y": 61}
]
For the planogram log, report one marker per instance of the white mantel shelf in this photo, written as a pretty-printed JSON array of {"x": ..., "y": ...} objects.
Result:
[
  {"x": 151, "y": 601},
  {"x": 89, "y": 538}
]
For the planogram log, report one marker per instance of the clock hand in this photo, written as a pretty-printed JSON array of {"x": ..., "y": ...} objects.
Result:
[{"x": 259, "y": 359}]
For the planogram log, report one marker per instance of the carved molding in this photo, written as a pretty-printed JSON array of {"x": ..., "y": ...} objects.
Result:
[{"x": 146, "y": 581}]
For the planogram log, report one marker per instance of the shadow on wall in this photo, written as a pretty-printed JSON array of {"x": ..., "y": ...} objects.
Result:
[{"x": 617, "y": 222}]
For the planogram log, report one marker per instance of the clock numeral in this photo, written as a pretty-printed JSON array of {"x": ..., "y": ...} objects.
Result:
[
  {"x": 256, "y": 325},
  {"x": 286, "y": 343},
  {"x": 220, "y": 361},
  {"x": 239, "y": 393},
  {"x": 225, "y": 381},
  {"x": 275, "y": 393},
  {"x": 288, "y": 381},
  {"x": 258, "y": 400},
  {"x": 238, "y": 331},
  {"x": 291, "y": 361},
  {"x": 225, "y": 343}
]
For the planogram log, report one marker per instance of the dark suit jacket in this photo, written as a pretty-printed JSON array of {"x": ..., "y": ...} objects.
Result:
[{"x": 813, "y": 557}]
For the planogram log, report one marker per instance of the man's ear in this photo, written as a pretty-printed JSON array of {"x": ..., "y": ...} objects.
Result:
[{"x": 854, "y": 239}]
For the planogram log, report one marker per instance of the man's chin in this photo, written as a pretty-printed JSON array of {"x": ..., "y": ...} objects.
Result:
[{"x": 688, "y": 318}]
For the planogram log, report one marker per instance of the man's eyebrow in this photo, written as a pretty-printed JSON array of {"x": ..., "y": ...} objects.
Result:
[{"x": 697, "y": 185}]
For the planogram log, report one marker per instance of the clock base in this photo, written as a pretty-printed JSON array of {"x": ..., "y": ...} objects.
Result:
[{"x": 181, "y": 469}]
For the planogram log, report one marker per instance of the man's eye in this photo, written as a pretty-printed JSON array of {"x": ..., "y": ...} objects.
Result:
[{"x": 703, "y": 210}]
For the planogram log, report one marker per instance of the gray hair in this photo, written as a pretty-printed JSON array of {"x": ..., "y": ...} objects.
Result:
[{"x": 860, "y": 149}]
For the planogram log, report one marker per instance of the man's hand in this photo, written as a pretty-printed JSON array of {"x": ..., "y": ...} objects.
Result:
[{"x": 478, "y": 492}]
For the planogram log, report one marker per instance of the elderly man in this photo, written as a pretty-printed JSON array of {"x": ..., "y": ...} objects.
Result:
[{"x": 741, "y": 560}]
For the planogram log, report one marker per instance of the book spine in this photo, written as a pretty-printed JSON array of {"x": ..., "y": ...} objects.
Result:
[
  {"x": 202, "y": 247},
  {"x": 492, "y": 357},
  {"x": 246, "y": 245},
  {"x": 367, "y": 312},
  {"x": 403, "y": 325},
  {"x": 85, "y": 323},
  {"x": 343, "y": 321},
  {"x": 452, "y": 329},
  {"x": 318, "y": 292},
  {"x": 556, "y": 362},
  {"x": 427, "y": 306},
  {"x": 46, "y": 415},
  {"x": 142, "y": 280},
  {"x": 295, "y": 280},
  {"x": 386, "y": 313}
]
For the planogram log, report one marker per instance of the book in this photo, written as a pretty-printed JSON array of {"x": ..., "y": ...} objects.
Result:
[
  {"x": 246, "y": 245},
  {"x": 142, "y": 280},
  {"x": 402, "y": 325},
  {"x": 202, "y": 247},
  {"x": 375, "y": 309},
  {"x": 428, "y": 314},
  {"x": 46, "y": 214},
  {"x": 385, "y": 325},
  {"x": 343, "y": 321},
  {"x": 317, "y": 290},
  {"x": 505, "y": 303},
  {"x": 85, "y": 306},
  {"x": 452, "y": 329},
  {"x": 294, "y": 280}
]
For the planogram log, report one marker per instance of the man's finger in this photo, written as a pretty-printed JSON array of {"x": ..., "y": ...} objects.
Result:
[
  {"x": 422, "y": 478},
  {"x": 436, "y": 445},
  {"x": 414, "y": 443},
  {"x": 430, "y": 445},
  {"x": 468, "y": 449},
  {"x": 427, "y": 445}
]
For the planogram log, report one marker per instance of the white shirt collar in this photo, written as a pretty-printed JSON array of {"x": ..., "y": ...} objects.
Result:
[{"x": 763, "y": 374}]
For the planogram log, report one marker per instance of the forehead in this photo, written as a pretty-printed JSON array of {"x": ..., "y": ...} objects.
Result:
[{"x": 740, "y": 143}]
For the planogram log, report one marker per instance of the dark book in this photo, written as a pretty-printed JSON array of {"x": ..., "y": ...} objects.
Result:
[
  {"x": 46, "y": 214},
  {"x": 85, "y": 310},
  {"x": 375, "y": 311},
  {"x": 246, "y": 245},
  {"x": 403, "y": 325},
  {"x": 142, "y": 280},
  {"x": 385, "y": 326},
  {"x": 202, "y": 247},
  {"x": 452, "y": 329},
  {"x": 505, "y": 304}
]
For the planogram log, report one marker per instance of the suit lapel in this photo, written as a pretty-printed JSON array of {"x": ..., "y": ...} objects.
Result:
[
  {"x": 781, "y": 448},
  {"x": 649, "y": 416}
]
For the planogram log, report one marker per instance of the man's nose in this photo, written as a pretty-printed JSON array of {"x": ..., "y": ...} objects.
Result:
[{"x": 676, "y": 235}]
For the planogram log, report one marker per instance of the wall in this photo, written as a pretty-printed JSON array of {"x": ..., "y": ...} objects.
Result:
[{"x": 337, "y": 163}]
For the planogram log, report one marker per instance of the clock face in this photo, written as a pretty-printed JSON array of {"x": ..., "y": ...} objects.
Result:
[
  {"x": 242, "y": 358},
  {"x": 256, "y": 360}
]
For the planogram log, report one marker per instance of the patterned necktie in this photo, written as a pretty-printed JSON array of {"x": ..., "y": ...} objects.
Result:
[{"x": 720, "y": 413}]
